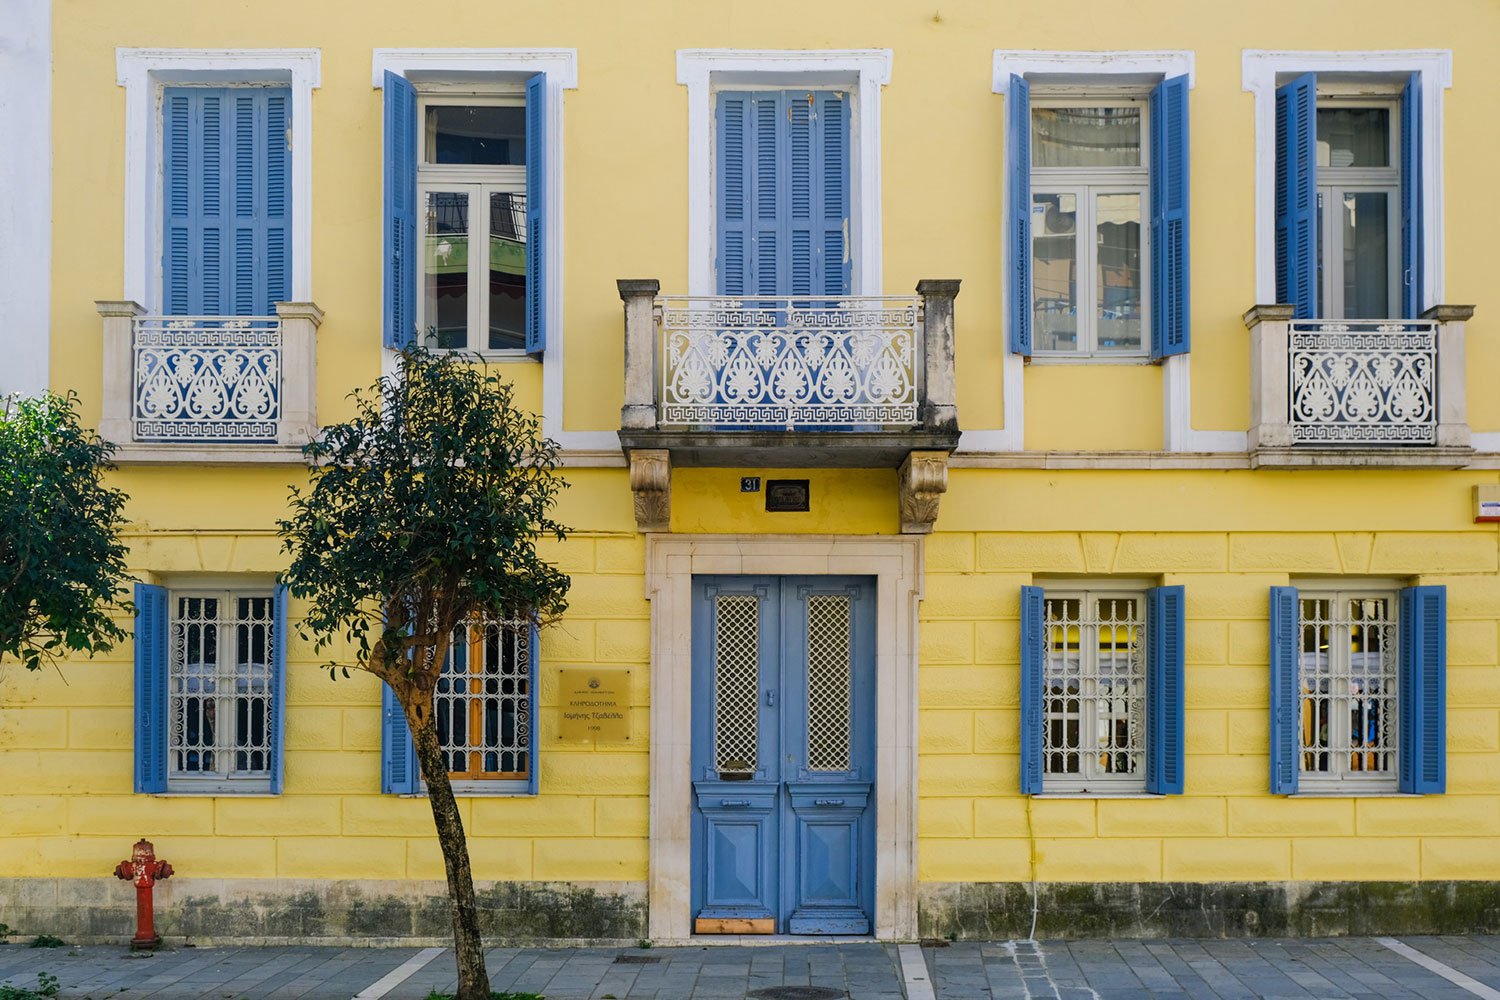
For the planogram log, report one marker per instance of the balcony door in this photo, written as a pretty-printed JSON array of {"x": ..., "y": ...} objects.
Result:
[{"x": 783, "y": 755}]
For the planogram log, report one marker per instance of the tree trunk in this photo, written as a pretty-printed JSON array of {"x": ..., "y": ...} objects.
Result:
[{"x": 473, "y": 978}]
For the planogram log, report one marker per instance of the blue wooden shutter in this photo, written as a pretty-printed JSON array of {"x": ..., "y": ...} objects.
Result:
[
  {"x": 1033, "y": 658},
  {"x": 1171, "y": 322},
  {"x": 1165, "y": 683},
  {"x": 194, "y": 269},
  {"x": 1411, "y": 198},
  {"x": 399, "y": 774},
  {"x": 1286, "y": 692},
  {"x": 150, "y": 688},
  {"x": 1424, "y": 690},
  {"x": 533, "y": 681},
  {"x": 536, "y": 214},
  {"x": 278, "y": 689},
  {"x": 1296, "y": 195},
  {"x": 815, "y": 192},
  {"x": 833, "y": 214},
  {"x": 226, "y": 182},
  {"x": 1018, "y": 153},
  {"x": 734, "y": 183},
  {"x": 400, "y": 319}
]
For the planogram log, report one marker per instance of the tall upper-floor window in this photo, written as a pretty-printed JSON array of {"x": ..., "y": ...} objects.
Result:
[
  {"x": 1089, "y": 190},
  {"x": 471, "y": 195},
  {"x": 1348, "y": 241},
  {"x": 1097, "y": 220},
  {"x": 226, "y": 174}
]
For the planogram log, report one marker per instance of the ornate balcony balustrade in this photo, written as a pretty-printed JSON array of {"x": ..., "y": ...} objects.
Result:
[
  {"x": 1358, "y": 392},
  {"x": 179, "y": 387},
  {"x": 789, "y": 362},
  {"x": 789, "y": 382}
]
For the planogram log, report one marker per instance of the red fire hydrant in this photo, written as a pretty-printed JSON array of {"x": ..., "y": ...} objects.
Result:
[{"x": 145, "y": 871}]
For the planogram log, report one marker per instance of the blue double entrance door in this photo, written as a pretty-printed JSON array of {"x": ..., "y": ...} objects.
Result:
[{"x": 783, "y": 755}]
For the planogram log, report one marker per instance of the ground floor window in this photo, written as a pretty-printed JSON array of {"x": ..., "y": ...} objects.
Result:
[
  {"x": 483, "y": 703},
  {"x": 1349, "y": 683}
]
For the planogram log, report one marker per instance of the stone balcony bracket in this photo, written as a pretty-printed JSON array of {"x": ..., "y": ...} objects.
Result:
[{"x": 1386, "y": 393}]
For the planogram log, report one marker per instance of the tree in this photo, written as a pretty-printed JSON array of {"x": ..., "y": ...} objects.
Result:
[
  {"x": 423, "y": 516},
  {"x": 62, "y": 564}
]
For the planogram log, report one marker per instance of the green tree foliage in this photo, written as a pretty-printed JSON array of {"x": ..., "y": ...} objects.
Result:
[
  {"x": 423, "y": 516},
  {"x": 62, "y": 565}
]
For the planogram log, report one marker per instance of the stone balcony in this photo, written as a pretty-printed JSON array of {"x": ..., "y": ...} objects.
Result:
[
  {"x": 1385, "y": 393},
  {"x": 209, "y": 388},
  {"x": 789, "y": 382}
]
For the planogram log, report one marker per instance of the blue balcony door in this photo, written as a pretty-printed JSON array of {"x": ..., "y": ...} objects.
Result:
[{"x": 783, "y": 754}]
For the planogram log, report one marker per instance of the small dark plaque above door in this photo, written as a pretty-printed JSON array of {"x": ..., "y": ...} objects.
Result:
[{"x": 787, "y": 495}]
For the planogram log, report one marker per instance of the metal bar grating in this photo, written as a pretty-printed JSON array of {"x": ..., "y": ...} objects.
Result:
[
  {"x": 1349, "y": 677},
  {"x": 829, "y": 682},
  {"x": 736, "y": 683},
  {"x": 1095, "y": 687},
  {"x": 219, "y": 685},
  {"x": 483, "y": 702}
]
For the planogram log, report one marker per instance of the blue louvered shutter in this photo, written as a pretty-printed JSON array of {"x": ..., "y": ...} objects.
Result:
[
  {"x": 1411, "y": 198},
  {"x": 536, "y": 214},
  {"x": 278, "y": 689},
  {"x": 1286, "y": 691},
  {"x": 816, "y": 193},
  {"x": 400, "y": 285},
  {"x": 1171, "y": 322},
  {"x": 1297, "y": 195},
  {"x": 226, "y": 180},
  {"x": 533, "y": 681},
  {"x": 1165, "y": 683},
  {"x": 1033, "y": 659},
  {"x": 1018, "y": 153},
  {"x": 150, "y": 688},
  {"x": 1424, "y": 690},
  {"x": 399, "y": 774},
  {"x": 733, "y": 183}
]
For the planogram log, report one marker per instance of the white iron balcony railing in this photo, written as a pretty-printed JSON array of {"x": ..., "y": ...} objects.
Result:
[
  {"x": 1358, "y": 392},
  {"x": 208, "y": 381},
  {"x": 789, "y": 362},
  {"x": 1359, "y": 382},
  {"x": 207, "y": 378}
]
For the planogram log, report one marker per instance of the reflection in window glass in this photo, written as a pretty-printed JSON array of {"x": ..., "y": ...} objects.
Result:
[
  {"x": 445, "y": 268},
  {"x": 507, "y": 271},
  {"x": 1366, "y": 255},
  {"x": 1054, "y": 271},
  {"x": 1354, "y": 137},
  {"x": 1086, "y": 137},
  {"x": 475, "y": 134},
  {"x": 1118, "y": 239}
]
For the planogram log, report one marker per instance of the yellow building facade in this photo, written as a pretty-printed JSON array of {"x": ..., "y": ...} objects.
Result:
[{"x": 981, "y": 689}]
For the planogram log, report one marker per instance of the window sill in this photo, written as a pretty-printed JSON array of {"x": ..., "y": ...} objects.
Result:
[
  {"x": 211, "y": 793},
  {"x": 1133, "y": 361},
  {"x": 1099, "y": 795},
  {"x": 498, "y": 793},
  {"x": 1352, "y": 793},
  {"x": 490, "y": 357}
]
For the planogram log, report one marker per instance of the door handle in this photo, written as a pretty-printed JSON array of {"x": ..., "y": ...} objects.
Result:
[
  {"x": 770, "y": 697},
  {"x": 828, "y": 802},
  {"x": 734, "y": 803}
]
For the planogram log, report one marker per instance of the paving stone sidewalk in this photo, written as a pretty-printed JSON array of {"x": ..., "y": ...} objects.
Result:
[{"x": 1319, "y": 969}]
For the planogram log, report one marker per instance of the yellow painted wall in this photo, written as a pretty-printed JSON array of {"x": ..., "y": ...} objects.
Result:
[{"x": 65, "y": 735}]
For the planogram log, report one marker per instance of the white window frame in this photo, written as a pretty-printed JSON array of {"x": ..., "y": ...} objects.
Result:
[
  {"x": 1264, "y": 70},
  {"x": 220, "y": 782},
  {"x": 1088, "y": 183},
  {"x": 1088, "y": 590},
  {"x": 1341, "y": 780},
  {"x": 145, "y": 73},
  {"x": 478, "y": 182},
  {"x": 1334, "y": 182},
  {"x": 860, "y": 72}
]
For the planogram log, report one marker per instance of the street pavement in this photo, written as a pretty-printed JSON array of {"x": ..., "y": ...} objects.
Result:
[{"x": 1415, "y": 968}]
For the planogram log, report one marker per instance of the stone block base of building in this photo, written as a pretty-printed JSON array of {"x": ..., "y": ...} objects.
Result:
[
  {"x": 1002, "y": 910},
  {"x": 321, "y": 911}
]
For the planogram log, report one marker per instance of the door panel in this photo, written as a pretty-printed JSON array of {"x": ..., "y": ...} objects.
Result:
[{"x": 783, "y": 754}]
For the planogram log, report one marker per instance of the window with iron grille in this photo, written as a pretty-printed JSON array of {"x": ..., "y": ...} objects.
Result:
[
  {"x": 221, "y": 690},
  {"x": 1094, "y": 691},
  {"x": 483, "y": 705},
  {"x": 1348, "y": 675}
]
